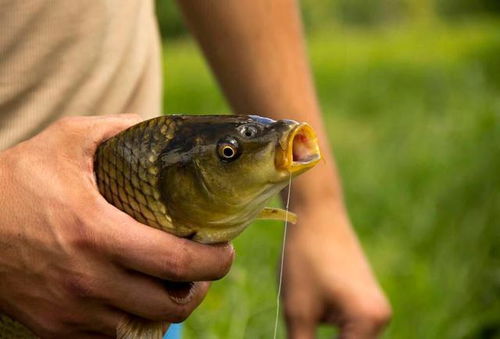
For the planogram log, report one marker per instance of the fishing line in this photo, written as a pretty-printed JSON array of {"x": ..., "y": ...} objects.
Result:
[{"x": 282, "y": 259}]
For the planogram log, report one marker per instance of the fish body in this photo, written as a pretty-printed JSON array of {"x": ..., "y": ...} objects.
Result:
[{"x": 202, "y": 177}]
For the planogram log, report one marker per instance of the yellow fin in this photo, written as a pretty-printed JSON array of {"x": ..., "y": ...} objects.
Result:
[
  {"x": 136, "y": 328},
  {"x": 270, "y": 213}
]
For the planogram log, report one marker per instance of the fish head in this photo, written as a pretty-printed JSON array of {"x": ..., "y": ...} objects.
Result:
[{"x": 219, "y": 171}]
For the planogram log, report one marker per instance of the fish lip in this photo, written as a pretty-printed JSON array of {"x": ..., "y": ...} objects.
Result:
[{"x": 298, "y": 150}]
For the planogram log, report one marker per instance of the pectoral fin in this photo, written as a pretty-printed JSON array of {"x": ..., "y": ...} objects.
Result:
[{"x": 270, "y": 213}]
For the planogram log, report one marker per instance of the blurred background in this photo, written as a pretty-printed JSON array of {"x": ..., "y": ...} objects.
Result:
[{"x": 410, "y": 91}]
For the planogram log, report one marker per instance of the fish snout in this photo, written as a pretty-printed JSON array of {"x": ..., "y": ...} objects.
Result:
[{"x": 298, "y": 148}]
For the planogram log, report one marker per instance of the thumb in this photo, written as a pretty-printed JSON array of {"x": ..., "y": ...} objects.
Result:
[
  {"x": 88, "y": 131},
  {"x": 104, "y": 127}
]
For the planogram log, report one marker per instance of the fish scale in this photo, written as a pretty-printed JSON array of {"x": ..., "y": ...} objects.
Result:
[{"x": 127, "y": 172}]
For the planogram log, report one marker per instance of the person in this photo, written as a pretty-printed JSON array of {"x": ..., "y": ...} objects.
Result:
[{"x": 71, "y": 264}]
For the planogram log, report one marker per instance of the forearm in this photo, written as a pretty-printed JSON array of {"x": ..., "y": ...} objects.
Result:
[{"x": 256, "y": 50}]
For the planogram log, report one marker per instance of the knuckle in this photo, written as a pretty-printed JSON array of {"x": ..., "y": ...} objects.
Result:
[
  {"x": 81, "y": 235},
  {"x": 171, "y": 312},
  {"x": 80, "y": 285},
  {"x": 383, "y": 316},
  {"x": 72, "y": 126},
  {"x": 225, "y": 262},
  {"x": 376, "y": 315},
  {"x": 179, "y": 314},
  {"x": 178, "y": 267},
  {"x": 82, "y": 240}
]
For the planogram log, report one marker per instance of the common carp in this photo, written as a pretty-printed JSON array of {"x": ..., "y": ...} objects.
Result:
[{"x": 201, "y": 177}]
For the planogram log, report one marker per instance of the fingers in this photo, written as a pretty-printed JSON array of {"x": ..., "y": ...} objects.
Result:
[
  {"x": 116, "y": 294},
  {"x": 301, "y": 311},
  {"x": 151, "y": 299},
  {"x": 365, "y": 327},
  {"x": 366, "y": 324},
  {"x": 104, "y": 127},
  {"x": 359, "y": 330},
  {"x": 139, "y": 255},
  {"x": 301, "y": 328},
  {"x": 82, "y": 321},
  {"x": 104, "y": 321},
  {"x": 170, "y": 258},
  {"x": 156, "y": 253}
]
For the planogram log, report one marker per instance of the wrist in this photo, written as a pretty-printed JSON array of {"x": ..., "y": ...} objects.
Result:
[{"x": 315, "y": 189}]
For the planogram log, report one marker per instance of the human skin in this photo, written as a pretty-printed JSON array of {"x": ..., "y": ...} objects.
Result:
[
  {"x": 256, "y": 50},
  {"x": 71, "y": 264}
]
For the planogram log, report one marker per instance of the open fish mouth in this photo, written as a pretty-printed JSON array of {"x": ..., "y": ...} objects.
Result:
[{"x": 299, "y": 150}]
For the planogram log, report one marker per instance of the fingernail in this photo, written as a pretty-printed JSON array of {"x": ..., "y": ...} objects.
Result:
[{"x": 180, "y": 292}]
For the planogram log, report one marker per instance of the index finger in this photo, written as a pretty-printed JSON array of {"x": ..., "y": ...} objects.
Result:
[{"x": 156, "y": 253}]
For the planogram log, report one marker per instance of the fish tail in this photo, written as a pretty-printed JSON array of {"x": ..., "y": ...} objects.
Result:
[{"x": 135, "y": 328}]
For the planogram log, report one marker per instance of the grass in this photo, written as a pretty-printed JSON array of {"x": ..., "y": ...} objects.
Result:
[{"x": 414, "y": 118}]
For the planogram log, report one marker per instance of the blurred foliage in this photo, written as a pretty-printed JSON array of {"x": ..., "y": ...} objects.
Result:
[
  {"x": 464, "y": 8},
  {"x": 318, "y": 13},
  {"x": 169, "y": 19},
  {"x": 414, "y": 115}
]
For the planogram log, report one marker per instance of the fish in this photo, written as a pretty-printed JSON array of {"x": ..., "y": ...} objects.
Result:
[{"x": 201, "y": 177}]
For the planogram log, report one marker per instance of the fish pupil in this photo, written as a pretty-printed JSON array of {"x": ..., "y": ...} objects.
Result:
[
  {"x": 227, "y": 149},
  {"x": 228, "y": 152}
]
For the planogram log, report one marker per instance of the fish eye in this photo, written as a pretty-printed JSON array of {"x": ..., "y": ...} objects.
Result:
[
  {"x": 248, "y": 131},
  {"x": 228, "y": 150}
]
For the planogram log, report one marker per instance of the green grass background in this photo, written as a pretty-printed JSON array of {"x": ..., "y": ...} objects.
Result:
[{"x": 413, "y": 114}]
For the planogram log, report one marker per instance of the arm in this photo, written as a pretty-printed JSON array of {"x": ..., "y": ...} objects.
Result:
[{"x": 256, "y": 50}]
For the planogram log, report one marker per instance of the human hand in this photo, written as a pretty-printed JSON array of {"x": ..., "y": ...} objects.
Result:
[
  {"x": 73, "y": 265},
  {"x": 327, "y": 278}
]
